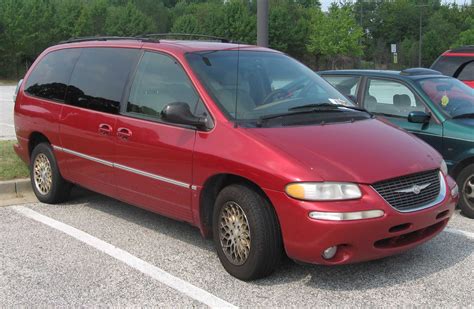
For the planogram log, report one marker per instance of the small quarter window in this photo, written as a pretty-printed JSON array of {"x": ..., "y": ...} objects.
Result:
[{"x": 50, "y": 77}]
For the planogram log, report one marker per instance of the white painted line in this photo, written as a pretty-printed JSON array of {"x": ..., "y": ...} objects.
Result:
[
  {"x": 459, "y": 232},
  {"x": 6, "y": 124},
  {"x": 156, "y": 273}
]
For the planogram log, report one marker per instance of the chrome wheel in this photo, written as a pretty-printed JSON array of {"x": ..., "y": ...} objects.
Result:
[
  {"x": 43, "y": 175},
  {"x": 468, "y": 190},
  {"x": 234, "y": 233}
]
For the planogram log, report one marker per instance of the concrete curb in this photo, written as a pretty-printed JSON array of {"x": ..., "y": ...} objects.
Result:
[{"x": 16, "y": 188}]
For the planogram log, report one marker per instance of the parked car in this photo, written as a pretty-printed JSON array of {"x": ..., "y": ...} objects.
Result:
[
  {"x": 244, "y": 142},
  {"x": 458, "y": 63},
  {"x": 436, "y": 108}
]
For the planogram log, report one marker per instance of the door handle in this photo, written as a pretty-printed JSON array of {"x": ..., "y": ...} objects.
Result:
[
  {"x": 105, "y": 129},
  {"x": 124, "y": 133}
]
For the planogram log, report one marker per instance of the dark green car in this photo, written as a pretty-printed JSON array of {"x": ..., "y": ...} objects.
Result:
[{"x": 436, "y": 108}]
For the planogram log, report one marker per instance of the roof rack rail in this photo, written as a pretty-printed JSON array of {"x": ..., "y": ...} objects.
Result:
[
  {"x": 186, "y": 35},
  {"x": 462, "y": 49},
  {"x": 105, "y": 38}
]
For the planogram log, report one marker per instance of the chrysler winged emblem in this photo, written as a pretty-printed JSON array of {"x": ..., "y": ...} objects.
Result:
[{"x": 414, "y": 189}]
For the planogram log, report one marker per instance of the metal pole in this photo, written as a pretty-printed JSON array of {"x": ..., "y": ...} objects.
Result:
[
  {"x": 419, "y": 47},
  {"x": 262, "y": 23}
]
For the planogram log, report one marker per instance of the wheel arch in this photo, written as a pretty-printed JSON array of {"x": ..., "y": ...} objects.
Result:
[
  {"x": 211, "y": 188},
  {"x": 34, "y": 139},
  {"x": 461, "y": 165}
]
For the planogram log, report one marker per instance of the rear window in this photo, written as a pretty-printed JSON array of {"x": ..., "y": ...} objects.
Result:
[
  {"x": 50, "y": 77},
  {"x": 467, "y": 73},
  {"x": 449, "y": 65},
  {"x": 99, "y": 78}
]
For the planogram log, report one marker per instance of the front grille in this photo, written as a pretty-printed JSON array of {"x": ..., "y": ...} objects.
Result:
[{"x": 410, "y": 201}]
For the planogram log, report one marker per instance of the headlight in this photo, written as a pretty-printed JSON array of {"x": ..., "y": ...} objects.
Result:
[
  {"x": 444, "y": 168},
  {"x": 323, "y": 191}
]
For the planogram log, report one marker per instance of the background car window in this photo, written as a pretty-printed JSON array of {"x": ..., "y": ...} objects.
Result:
[
  {"x": 159, "y": 81},
  {"x": 449, "y": 65},
  {"x": 346, "y": 85},
  {"x": 99, "y": 78},
  {"x": 391, "y": 98},
  {"x": 467, "y": 72},
  {"x": 50, "y": 77}
]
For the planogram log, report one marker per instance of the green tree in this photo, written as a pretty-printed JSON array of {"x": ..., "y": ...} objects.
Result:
[
  {"x": 127, "y": 21},
  {"x": 334, "y": 34}
]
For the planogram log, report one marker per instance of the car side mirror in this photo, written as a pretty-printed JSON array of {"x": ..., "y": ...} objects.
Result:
[
  {"x": 419, "y": 117},
  {"x": 180, "y": 113}
]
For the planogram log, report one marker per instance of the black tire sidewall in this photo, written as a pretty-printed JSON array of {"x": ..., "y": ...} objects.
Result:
[
  {"x": 57, "y": 181},
  {"x": 466, "y": 208},
  {"x": 253, "y": 205}
]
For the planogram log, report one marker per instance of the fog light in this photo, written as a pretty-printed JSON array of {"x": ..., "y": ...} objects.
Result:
[
  {"x": 455, "y": 191},
  {"x": 329, "y": 253}
]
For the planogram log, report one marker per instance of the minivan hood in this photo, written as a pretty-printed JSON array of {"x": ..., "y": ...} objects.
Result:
[{"x": 364, "y": 151}]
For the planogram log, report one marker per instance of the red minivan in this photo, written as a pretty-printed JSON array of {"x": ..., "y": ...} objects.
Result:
[{"x": 243, "y": 142}]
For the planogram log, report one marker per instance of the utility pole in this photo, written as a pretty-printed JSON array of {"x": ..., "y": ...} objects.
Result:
[
  {"x": 420, "y": 38},
  {"x": 262, "y": 23}
]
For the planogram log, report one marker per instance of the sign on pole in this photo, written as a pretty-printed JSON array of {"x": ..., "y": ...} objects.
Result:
[{"x": 393, "y": 48}]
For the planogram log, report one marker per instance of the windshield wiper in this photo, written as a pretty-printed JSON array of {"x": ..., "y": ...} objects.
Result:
[
  {"x": 310, "y": 108},
  {"x": 467, "y": 115},
  {"x": 326, "y": 106}
]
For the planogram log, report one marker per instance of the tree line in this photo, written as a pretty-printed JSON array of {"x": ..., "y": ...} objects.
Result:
[{"x": 350, "y": 34}]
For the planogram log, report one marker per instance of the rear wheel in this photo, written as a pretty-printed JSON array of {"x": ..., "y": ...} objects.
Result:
[
  {"x": 246, "y": 233},
  {"x": 46, "y": 180},
  {"x": 465, "y": 182}
]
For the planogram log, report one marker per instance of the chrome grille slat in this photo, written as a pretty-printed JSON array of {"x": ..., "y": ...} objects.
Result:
[{"x": 407, "y": 201}]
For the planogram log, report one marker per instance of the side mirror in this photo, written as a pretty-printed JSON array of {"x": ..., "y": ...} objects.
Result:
[
  {"x": 180, "y": 113},
  {"x": 419, "y": 117}
]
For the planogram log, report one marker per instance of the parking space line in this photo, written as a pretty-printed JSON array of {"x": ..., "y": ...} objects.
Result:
[
  {"x": 156, "y": 273},
  {"x": 459, "y": 232}
]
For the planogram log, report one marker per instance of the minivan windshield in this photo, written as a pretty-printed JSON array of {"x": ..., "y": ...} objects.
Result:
[
  {"x": 251, "y": 85},
  {"x": 454, "y": 98}
]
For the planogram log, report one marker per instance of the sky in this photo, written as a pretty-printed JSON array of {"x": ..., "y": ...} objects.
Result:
[{"x": 325, "y": 3}]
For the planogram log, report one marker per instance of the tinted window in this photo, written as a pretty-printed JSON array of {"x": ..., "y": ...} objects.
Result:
[
  {"x": 99, "y": 78},
  {"x": 450, "y": 64},
  {"x": 50, "y": 77},
  {"x": 346, "y": 85},
  {"x": 159, "y": 80},
  {"x": 391, "y": 98},
  {"x": 467, "y": 72}
]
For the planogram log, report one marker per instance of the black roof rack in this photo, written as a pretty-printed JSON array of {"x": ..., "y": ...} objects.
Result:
[
  {"x": 105, "y": 38},
  {"x": 419, "y": 71},
  {"x": 463, "y": 49},
  {"x": 149, "y": 37},
  {"x": 186, "y": 35}
]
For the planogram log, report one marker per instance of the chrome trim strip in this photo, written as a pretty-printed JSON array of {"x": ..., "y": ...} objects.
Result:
[
  {"x": 439, "y": 199},
  {"x": 123, "y": 167},
  {"x": 150, "y": 175}
]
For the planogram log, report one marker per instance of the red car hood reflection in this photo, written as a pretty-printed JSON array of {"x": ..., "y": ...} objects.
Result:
[{"x": 364, "y": 151}]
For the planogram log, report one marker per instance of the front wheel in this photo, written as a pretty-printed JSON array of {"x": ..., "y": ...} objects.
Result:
[
  {"x": 465, "y": 182},
  {"x": 46, "y": 180},
  {"x": 246, "y": 233}
]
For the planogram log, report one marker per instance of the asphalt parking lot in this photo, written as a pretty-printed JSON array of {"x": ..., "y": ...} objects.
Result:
[{"x": 96, "y": 251}]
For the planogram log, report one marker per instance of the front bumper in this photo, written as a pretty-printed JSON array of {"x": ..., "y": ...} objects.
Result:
[{"x": 358, "y": 240}]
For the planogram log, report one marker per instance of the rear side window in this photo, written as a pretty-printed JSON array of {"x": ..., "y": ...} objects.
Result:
[
  {"x": 159, "y": 81},
  {"x": 467, "y": 73},
  {"x": 99, "y": 78},
  {"x": 346, "y": 85},
  {"x": 50, "y": 77},
  {"x": 448, "y": 65}
]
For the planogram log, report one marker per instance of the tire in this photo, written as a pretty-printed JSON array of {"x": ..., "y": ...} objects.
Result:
[
  {"x": 48, "y": 184},
  {"x": 465, "y": 181},
  {"x": 262, "y": 249}
]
